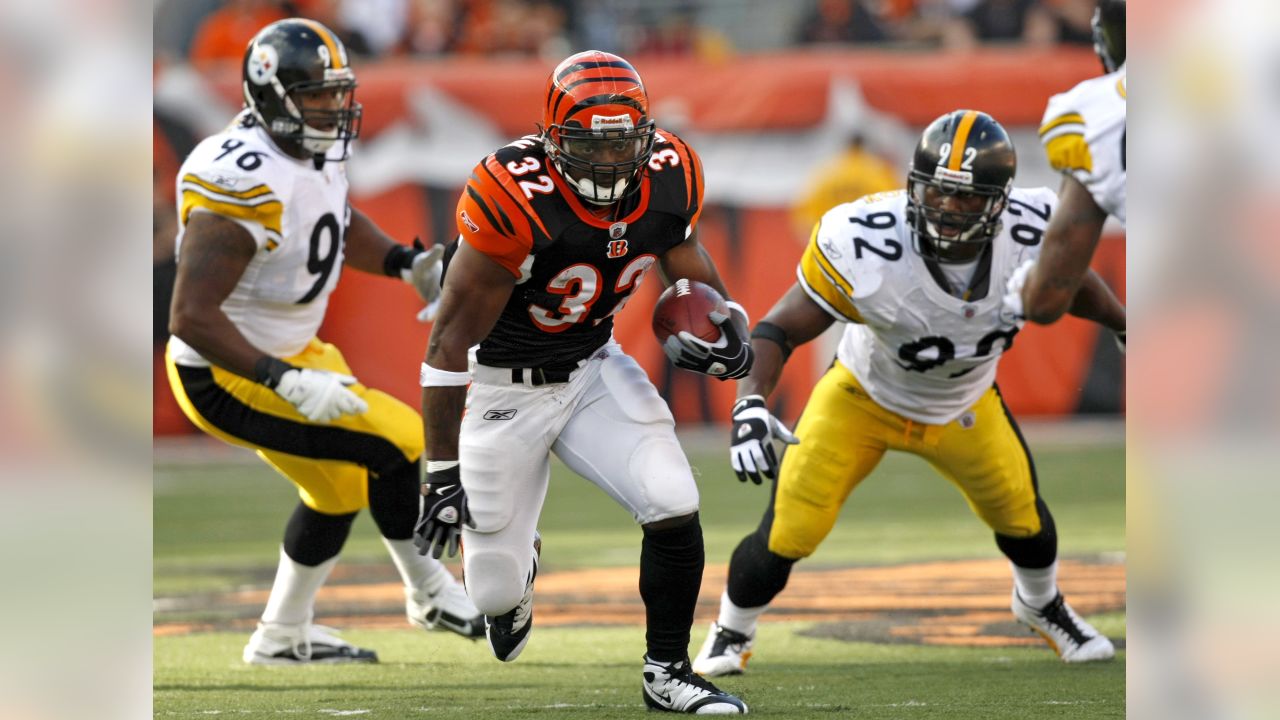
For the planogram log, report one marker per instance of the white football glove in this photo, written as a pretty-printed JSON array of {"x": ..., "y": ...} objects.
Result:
[
  {"x": 751, "y": 445},
  {"x": 320, "y": 395},
  {"x": 424, "y": 275},
  {"x": 1011, "y": 310}
]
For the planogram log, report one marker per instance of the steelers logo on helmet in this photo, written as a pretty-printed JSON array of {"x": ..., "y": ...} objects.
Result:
[
  {"x": 298, "y": 87},
  {"x": 596, "y": 127},
  {"x": 262, "y": 64},
  {"x": 961, "y": 175}
]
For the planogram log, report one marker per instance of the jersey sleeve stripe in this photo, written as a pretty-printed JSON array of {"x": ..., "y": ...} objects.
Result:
[
  {"x": 1069, "y": 151},
  {"x": 825, "y": 263},
  {"x": 253, "y": 192},
  {"x": 824, "y": 302},
  {"x": 267, "y": 213},
  {"x": 961, "y": 139},
  {"x": 1070, "y": 118},
  {"x": 504, "y": 180},
  {"x": 683, "y": 152},
  {"x": 488, "y": 214},
  {"x": 821, "y": 278}
]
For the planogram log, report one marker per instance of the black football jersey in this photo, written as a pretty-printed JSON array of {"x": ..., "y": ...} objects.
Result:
[{"x": 574, "y": 270}]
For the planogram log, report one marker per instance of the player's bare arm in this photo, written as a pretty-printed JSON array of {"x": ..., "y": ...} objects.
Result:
[
  {"x": 1069, "y": 242},
  {"x": 215, "y": 253},
  {"x": 793, "y": 321},
  {"x": 1095, "y": 301},
  {"x": 691, "y": 260},
  {"x": 475, "y": 291},
  {"x": 367, "y": 245}
]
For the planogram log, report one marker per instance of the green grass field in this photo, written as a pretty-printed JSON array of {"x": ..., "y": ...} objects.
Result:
[{"x": 217, "y": 528}]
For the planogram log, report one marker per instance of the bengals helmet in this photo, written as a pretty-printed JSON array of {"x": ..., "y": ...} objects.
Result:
[
  {"x": 300, "y": 88},
  {"x": 596, "y": 127},
  {"x": 959, "y": 184},
  {"x": 1108, "y": 33}
]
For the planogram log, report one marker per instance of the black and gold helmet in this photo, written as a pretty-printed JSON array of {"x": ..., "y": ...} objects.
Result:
[
  {"x": 1108, "y": 33},
  {"x": 300, "y": 88},
  {"x": 959, "y": 184}
]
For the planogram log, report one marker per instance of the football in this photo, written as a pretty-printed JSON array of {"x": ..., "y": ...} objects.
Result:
[{"x": 684, "y": 307}]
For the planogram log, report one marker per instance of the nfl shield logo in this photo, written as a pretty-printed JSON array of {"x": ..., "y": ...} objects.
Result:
[
  {"x": 968, "y": 311},
  {"x": 617, "y": 230}
]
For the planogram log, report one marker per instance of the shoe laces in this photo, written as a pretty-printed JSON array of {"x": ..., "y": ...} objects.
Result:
[
  {"x": 727, "y": 639},
  {"x": 1060, "y": 615},
  {"x": 682, "y": 672}
]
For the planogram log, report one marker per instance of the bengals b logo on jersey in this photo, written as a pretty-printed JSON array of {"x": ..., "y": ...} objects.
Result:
[{"x": 617, "y": 248}]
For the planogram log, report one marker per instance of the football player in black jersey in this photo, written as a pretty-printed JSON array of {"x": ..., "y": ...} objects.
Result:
[{"x": 556, "y": 231}]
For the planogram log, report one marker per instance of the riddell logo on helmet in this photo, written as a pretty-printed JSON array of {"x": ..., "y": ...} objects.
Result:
[
  {"x": 466, "y": 219},
  {"x": 961, "y": 177},
  {"x": 612, "y": 122}
]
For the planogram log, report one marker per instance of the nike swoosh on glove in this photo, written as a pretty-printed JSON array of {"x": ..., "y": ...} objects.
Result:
[
  {"x": 751, "y": 451},
  {"x": 728, "y": 358},
  {"x": 320, "y": 395},
  {"x": 442, "y": 511}
]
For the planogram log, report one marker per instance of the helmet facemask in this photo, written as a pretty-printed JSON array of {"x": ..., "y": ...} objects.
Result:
[
  {"x": 316, "y": 114},
  {"x": 951, "y": 219},
  {"x": 603, "y": 163}
]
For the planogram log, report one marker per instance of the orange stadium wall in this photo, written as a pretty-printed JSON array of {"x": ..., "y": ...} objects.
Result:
[{"x": 1067, "y": 368}]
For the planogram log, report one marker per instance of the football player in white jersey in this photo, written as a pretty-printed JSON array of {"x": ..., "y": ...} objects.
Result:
[
  {"x": 1084, "y": 135},
  {"x": 917, "y": 276},
  {"x": 264, "y": 230}
]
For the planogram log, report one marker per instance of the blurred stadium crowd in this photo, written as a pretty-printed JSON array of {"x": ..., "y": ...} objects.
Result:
[{"x": 212, "y": 30}]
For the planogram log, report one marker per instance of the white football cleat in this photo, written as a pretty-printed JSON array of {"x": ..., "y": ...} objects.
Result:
[
  {"x": 1073, "y": 639},
  {"x": 724, "y": 652},
  {"x": 275, "y": 644},
  {"x": 449, "y": 610},
  {"x": 674, "y": 687}
]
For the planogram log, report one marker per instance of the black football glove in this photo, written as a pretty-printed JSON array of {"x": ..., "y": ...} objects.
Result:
[
  {"x": 729, "y": 358},
  {"x": 1120, "y": 341},
  {"x": 751, "y": 443},
  {"x": 441, "y": 513}
]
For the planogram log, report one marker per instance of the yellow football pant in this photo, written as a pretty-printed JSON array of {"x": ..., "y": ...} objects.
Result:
[
  {"x": 844, "y": 433},
  {"x": 329, "y": 462}
]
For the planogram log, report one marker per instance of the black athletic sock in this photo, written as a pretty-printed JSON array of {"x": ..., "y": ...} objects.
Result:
[
  {"x": 311, "y": 537},
  {"x": 393, "y": 500},
  {"x": 756, "y": 575},
  {"x": 1037, "y": 551},
  {"x": 671, "y": 562}
]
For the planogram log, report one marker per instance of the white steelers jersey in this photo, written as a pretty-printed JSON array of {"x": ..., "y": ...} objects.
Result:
[
  {"x": 917, "y": 349},
  {"x": 296, "y": 214},
  {"x": 1084, "y": 134}
]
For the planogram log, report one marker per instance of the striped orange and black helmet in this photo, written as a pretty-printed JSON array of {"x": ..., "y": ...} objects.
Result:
[
  {"x": 961, "y": 175},
  {"x": 596, "y": 125}
]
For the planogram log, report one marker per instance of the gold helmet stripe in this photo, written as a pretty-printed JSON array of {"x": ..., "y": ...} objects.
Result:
[
  {"x": 335, "y": 54},
  {"x": 961, "y": 137}
]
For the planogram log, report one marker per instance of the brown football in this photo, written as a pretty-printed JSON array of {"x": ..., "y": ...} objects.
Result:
[{"x": 684, "y": 306}]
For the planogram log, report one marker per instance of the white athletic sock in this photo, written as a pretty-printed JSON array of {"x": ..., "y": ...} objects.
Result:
[
  {"x": 293, "y": 594},
  {"x": 419, "y": 572},
  {"x": 738, "y": 619},
  {"x": 1036, "y": 586}
]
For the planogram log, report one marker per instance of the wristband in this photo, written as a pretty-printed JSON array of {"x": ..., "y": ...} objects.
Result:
[
  {"x": 766, "y": 330},
  {"x": 268, "y": 370},
  {"x": 398, "y": 259},
  {"x": 433, "y": 377},
  {"x": 440, "y": 465}
]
